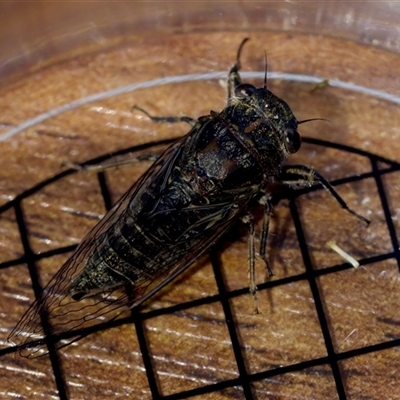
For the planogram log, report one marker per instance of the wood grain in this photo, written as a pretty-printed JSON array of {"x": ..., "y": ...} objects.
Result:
[{"x": 191, "y": 348}]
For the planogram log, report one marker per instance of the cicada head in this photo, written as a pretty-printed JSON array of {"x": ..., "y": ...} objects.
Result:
[
  {"x": 266, "y": 123},
  {"x": 273, "y": 110}
]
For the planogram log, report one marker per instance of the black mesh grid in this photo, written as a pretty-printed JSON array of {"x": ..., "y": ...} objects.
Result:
[{"x": 379, "y": 167}]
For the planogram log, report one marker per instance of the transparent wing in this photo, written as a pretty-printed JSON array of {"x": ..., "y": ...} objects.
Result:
[
  {"x": 56, "y": 313},
  {"x": 55, "y": 305}
]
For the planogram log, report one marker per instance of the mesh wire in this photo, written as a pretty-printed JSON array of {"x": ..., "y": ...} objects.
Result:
[{"x": 379, "y": 167}]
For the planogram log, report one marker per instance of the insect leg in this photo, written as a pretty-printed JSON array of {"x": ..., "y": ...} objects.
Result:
[
  {"x": 266, "y": 201},
  {"x": 302, "y": 175},
  {"x": 249, "y": 220},
  {"x": 171, "y": 120},
  {"x": 234, "y": 78},
  {"x": 113, "y": 162}
]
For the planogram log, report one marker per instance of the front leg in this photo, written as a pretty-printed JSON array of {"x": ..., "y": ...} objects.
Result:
[
  {"x": 234, "y": 78},
  {"x": 249, "y": 221},
  {"x": 266, "y": 202},
  {"x": 302, "y": 175}
]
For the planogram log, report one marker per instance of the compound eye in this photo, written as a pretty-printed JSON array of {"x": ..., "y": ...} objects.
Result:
[
  {"x": 293, "y": 141},
  {"x": 244, "y": 90}
]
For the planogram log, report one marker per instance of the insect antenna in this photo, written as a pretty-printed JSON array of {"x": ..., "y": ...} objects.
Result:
[{"x": 265, "y": 69}]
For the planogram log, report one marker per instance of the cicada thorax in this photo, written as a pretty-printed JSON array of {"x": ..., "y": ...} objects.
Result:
[{"x": 265, "y": 127}]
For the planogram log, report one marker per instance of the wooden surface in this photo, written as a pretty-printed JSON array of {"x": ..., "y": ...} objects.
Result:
[{"x": 191, "y": 348}]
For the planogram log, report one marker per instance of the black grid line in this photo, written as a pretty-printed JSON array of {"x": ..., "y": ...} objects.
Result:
[
  {"x": 318, "y": 301},
  {"x": 231, "y": 327},
  {"x": 385, "y": 207},
  {"x": 244, "y": 378},
  {"x": 60, "y": 383}
]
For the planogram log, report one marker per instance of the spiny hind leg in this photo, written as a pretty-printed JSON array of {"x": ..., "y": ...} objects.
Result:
[
  {"x": 113, "y": 162},
  {"x": 119, "y": 161}
]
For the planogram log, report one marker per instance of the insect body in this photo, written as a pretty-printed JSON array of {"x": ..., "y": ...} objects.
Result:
[{"x": 191, "y": 196}]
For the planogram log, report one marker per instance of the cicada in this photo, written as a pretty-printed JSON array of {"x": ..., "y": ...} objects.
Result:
[{"x": 192, "y": 194}]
